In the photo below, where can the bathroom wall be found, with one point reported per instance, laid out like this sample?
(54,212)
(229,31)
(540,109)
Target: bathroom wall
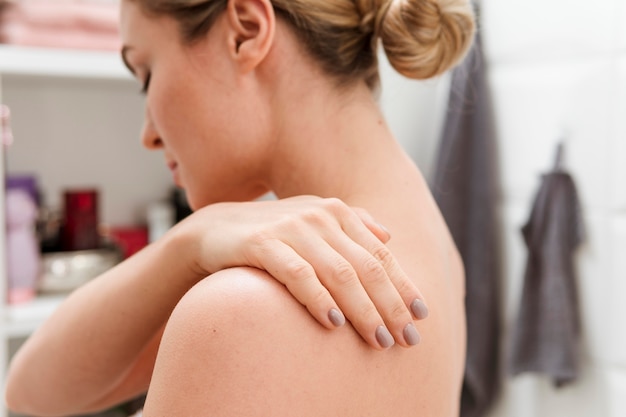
(557,71)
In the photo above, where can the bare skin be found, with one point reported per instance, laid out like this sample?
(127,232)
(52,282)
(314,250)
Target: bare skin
(241,112)
(278,362)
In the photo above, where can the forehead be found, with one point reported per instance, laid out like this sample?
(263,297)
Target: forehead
(135,23)
(130,17)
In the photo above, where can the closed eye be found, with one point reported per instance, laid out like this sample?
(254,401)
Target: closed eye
(146,84)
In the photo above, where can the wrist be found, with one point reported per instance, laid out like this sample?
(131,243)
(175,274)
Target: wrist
(183,246)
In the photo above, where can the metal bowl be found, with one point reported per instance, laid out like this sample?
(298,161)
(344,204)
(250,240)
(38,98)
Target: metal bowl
(63,272)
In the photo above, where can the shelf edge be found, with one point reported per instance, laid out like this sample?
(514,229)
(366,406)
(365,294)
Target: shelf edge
(50,62)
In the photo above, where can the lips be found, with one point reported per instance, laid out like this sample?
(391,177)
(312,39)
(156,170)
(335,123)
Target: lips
(173,166)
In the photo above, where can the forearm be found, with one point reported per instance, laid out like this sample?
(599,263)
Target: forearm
(95,337)
(100,345)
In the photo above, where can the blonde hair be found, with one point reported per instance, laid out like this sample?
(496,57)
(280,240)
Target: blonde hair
(422,38)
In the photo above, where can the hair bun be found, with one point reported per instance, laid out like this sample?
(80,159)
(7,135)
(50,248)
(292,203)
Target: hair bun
(424,38)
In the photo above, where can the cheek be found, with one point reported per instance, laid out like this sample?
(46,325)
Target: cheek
(172,119)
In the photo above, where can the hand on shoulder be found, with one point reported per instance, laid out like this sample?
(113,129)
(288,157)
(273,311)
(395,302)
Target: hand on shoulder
(331,257)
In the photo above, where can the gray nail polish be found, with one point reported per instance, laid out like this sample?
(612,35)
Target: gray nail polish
(419,309)
(384,229)
(385,339)
(411,335)
(336,317)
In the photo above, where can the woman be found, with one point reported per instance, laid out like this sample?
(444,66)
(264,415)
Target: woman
(246,96)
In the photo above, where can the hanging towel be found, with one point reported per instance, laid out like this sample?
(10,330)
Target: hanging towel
(79,24)
(465,186)
(546,335)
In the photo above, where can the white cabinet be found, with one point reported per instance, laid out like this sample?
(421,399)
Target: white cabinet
(76,119)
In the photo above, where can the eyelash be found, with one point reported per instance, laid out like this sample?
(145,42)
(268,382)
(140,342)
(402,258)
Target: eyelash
(146,84)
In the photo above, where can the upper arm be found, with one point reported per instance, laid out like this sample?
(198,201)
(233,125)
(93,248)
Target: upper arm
(136,381)
(238,344)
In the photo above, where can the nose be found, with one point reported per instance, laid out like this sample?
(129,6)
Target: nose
(149,136)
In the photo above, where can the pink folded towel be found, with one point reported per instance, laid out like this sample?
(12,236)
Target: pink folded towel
(60,23)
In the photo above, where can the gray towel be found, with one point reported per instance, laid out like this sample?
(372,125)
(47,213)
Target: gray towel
(465,186)
(546,335)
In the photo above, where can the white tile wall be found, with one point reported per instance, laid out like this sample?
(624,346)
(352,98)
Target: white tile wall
(556,30)
(587,398)
(615,295)
(517,398)
(534,396)
(616,393)
(618,162)
(621,18)
(538,105)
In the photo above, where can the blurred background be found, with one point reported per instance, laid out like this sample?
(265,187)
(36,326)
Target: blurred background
(555,73)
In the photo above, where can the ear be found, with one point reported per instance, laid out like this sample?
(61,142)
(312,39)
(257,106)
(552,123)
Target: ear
(252,24)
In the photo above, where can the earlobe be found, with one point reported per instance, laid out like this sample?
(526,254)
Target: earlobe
(252,24)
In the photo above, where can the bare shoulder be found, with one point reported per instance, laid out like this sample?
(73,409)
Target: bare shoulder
(236,344)
(239,344)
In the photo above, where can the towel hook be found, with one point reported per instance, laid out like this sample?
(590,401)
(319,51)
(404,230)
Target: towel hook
(558,160)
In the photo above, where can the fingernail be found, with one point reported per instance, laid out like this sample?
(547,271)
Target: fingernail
(419,309)
(336,317)
(383,228)
(385,339)
(411,335)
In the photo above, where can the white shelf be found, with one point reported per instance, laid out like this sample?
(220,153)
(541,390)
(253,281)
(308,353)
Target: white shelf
(22,319)
(49,62)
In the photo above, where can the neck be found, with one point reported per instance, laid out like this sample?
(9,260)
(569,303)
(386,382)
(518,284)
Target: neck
(340,139)
(328,142)
(336,141)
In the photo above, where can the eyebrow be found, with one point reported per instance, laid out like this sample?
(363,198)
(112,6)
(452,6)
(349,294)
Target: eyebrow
(124,51)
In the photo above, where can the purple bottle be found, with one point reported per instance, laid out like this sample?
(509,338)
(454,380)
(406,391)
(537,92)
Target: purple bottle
(23,255)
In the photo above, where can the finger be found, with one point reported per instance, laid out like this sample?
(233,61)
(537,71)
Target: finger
(381,290)
(288,267)
(405,287)
(378,229)
(339,276)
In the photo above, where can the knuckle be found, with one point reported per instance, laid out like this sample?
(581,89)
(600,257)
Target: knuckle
(310,216)
(383,255)
(314,217)
(374,271)
(290,221)
(406,286)
(368,316)
(334,205)
(333,202)
(344,274)
(398,312)
(299,271)
(257,245)
(318,298)
(258,238)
